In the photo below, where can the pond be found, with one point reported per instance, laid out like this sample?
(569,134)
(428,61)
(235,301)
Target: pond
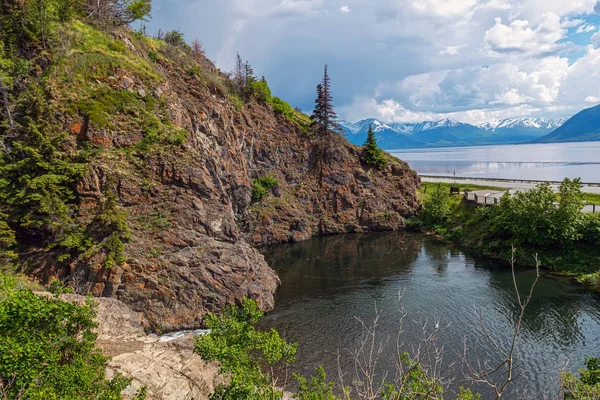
(330,283)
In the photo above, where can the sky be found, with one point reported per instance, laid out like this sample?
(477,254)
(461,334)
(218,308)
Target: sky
(407,60)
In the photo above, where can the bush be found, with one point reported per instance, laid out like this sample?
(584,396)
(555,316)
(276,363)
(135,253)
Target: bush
(282,107)
(587,385)
(316,387)
(177,39)
(47,348)
(437,207)
(242,351)
(262,91)
(262,186)
(532,218)
(590,231)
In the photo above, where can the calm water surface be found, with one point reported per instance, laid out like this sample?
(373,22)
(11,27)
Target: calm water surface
(329,282)
(551,162)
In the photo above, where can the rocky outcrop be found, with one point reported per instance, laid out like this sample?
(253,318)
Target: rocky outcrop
(168,370)
(189,208)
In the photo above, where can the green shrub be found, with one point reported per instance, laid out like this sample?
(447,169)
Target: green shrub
(532,218)
(590,231)
(437,207)
(282,107)
(262,91)
(316,387)
(587,385)
(48,348)
(415,383)
(241,350)
(262,186)
(237,101)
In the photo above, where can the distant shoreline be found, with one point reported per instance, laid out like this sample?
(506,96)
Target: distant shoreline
(400,150)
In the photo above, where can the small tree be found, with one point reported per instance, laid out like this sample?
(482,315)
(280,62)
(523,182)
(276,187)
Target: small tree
(197,49)
(175,38)
(373,155)
(569,218)
(437,207)
(119,12)
(324,115)
(238,73)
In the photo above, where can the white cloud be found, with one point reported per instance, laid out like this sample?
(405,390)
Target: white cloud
(585,28)
(452,50)
(407,59)
(518,38)
(510,97)
(444,8)
(595,39)
(538,87)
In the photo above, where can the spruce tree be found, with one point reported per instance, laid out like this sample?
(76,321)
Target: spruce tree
(249,77)
(317,115)
(373,155)
(238,74)
(249,80)
(324,116)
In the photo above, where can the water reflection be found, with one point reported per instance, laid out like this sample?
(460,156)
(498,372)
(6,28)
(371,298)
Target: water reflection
(327,282)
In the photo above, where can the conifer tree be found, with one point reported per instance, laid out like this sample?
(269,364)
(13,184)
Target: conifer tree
(249,77)
(317,115)
(324,115)
(249,80)
(238,74)
(372,154)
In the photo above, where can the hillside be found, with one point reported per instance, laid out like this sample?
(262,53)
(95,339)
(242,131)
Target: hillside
(132,170)
(448,133)
(582,127)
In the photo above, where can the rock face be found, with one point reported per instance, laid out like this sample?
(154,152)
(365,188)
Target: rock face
(189,208)
(168,370)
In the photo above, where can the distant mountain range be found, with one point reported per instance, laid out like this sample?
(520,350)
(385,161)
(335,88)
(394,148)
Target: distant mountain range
(448,132)
(582,127)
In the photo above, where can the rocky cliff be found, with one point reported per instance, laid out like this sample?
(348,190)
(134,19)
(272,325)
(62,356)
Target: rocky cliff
(170,165)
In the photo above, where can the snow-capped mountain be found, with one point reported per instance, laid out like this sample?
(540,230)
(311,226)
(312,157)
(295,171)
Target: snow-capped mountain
(530,122)
(449,132)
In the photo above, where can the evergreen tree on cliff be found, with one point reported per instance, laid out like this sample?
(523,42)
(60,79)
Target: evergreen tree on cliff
(324,116)
(238,73)
(372,154)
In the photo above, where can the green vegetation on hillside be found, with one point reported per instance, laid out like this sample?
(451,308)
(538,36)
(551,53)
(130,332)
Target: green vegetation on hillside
(48,348)
(60,65)
(537,221)
(262,186)
(245,87)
